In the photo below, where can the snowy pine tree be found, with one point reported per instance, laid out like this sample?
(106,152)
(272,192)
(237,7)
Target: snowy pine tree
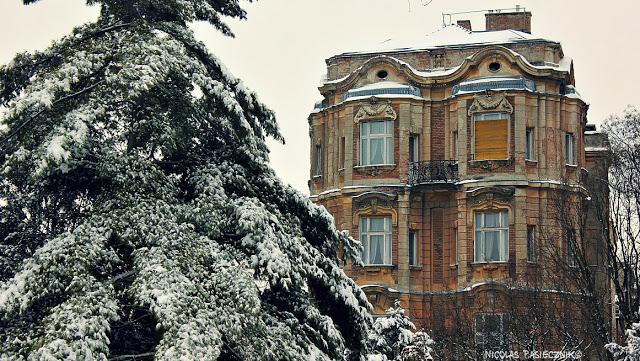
(138,215)
(390,334)
(420,348)
(630,351)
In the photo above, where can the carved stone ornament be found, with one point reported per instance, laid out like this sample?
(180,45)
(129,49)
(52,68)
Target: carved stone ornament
(490,102)
(373,200)
(375,111)
(489,195)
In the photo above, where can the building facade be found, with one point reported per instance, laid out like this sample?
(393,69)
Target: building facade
(447,160)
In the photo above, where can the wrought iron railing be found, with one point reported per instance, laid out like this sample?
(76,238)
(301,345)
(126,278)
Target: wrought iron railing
(433,171)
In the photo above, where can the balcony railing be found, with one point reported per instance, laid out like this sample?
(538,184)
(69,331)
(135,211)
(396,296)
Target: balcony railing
(433,171)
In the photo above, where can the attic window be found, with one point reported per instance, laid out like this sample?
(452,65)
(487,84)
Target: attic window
(495,66)
(382,74)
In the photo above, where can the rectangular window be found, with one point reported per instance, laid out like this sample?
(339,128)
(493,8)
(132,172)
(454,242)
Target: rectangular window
(375,235)
(454,147)
(341,155)
(569,149)
(376,142)
(491,135)
(413,248)
(572,260)
(531,243)
(491,332)
(491,236)
(529,145)
(414,148)
(455,248)
(318,171)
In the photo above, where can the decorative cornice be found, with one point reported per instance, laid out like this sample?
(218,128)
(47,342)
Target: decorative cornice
(420,78)
(375,110)
(490,102)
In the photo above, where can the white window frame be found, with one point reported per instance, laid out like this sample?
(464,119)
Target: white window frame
(387,142)
(480,231)
(490,116)
(414,147)
(531,244)
(481,334)
(365,235)
(529,144)
(413,248)
(569,149)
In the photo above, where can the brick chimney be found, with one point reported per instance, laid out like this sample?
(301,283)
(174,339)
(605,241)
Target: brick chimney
(465,24)
(518,20)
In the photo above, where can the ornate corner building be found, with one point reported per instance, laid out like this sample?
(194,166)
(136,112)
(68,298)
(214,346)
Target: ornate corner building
(447,160)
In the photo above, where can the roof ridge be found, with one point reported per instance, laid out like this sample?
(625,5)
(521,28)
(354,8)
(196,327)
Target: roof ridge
(450,26)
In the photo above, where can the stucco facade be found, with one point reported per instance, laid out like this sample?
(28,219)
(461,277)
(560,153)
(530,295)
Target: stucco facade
(434,180)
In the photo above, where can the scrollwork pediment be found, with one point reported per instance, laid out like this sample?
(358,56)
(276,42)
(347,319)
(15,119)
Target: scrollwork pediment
(373,200)
(491,195)
(375,111)
(490,102)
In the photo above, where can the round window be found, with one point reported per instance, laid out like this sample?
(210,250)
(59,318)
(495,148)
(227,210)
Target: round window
(382,74)
(495,66)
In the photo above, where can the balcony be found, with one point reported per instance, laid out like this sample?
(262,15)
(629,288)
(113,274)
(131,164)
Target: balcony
(433,172)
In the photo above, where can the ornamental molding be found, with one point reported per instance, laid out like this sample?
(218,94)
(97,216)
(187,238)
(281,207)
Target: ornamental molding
(375,110)
(491,197)
(374,204)
(490,102)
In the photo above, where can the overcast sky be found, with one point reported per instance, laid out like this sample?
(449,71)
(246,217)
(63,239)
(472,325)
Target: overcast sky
(279,52)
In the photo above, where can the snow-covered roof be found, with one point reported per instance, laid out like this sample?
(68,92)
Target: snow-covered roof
(493,83)
(382,88)
(448,36)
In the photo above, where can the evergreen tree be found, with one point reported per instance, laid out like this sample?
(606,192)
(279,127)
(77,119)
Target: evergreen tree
(390,334)
(630,351)
(420,348)
(138,215)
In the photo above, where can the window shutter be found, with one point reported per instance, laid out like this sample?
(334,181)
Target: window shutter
(491,139)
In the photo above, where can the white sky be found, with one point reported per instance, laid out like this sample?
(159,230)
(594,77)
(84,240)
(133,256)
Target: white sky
(279,52)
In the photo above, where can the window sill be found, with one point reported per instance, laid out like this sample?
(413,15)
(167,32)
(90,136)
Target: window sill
(341,169)
(531,161)
(375,268)
(315,177)
(532,263)
(497,263)
(572,166)
(374,166)
(453,265)
(415,268)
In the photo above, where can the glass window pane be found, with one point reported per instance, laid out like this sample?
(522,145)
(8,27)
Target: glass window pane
(478,247)
(492,246)
(412,248)
(504,219)
(376,224)
(364,155)
(364,129)
(376,249)
(389,146)
(491,220)
(365,249)
(376,151)
(376,127)
(478,220)
(504,245)
(387,259)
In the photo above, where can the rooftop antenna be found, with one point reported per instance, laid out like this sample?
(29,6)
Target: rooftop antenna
(449,16)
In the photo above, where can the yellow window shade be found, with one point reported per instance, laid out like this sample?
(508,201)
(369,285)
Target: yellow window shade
(491,139)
